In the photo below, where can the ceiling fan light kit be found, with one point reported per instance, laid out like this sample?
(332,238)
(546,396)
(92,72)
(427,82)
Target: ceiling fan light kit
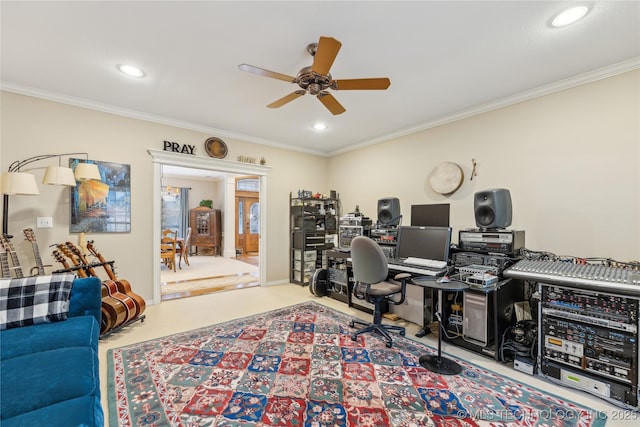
(316,80)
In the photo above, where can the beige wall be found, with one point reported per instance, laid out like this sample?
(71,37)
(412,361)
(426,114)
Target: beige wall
(571,161)
(32,126)
(199,189)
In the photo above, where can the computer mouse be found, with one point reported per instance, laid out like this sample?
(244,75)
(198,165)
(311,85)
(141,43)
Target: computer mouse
(443,279)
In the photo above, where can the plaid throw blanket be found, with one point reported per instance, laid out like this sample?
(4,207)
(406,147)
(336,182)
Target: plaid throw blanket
(32,300)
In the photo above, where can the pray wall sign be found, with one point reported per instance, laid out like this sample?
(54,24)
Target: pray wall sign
(179,148)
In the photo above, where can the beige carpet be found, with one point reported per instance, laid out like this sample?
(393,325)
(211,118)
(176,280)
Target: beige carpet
(205,272)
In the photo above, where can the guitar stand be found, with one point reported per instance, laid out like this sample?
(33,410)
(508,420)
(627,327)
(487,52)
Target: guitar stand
(127,323)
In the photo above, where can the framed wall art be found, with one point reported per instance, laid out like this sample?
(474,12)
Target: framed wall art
(102,206)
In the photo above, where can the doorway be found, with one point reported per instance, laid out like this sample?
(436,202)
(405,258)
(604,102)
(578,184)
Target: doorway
(247,204)
(162,158)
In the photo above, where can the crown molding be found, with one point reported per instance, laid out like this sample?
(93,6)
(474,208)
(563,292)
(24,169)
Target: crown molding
(581,79)
(568,83)
(139,115)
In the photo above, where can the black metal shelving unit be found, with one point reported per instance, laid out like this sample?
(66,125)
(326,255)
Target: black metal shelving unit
(313,225)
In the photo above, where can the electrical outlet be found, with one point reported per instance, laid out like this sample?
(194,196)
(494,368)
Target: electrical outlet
(44,222)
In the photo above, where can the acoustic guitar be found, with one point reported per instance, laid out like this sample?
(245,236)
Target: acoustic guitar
(112,288)
(31,236)
(117,309)
(109,308)
(8,247)
(123,285)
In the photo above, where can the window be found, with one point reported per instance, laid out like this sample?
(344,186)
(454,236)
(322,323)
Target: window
(248,184)
(173,210)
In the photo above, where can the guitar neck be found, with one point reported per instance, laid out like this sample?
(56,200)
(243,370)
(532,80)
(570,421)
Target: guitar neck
(36,255)
(77,264)
(31,236)
(14,257)
(4,265)
(105,264)
(82,259)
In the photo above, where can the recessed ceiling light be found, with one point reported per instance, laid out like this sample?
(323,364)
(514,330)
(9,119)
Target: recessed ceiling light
(569,16)
(320,126)
(131,70)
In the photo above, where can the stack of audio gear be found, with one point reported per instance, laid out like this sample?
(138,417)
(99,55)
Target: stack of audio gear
(507,242)
(385,235)
(350,226)
(589,326)
(479,276)
(495,248)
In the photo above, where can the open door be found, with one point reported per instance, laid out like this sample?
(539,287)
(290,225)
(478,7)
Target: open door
(248,214)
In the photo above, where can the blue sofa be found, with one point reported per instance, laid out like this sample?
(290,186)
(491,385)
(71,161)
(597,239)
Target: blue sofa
(49,371)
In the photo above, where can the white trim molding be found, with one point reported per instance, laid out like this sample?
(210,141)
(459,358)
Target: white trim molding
(161,158)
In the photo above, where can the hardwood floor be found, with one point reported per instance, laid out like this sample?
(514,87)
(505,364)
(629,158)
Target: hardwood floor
(250,258)
(209,290)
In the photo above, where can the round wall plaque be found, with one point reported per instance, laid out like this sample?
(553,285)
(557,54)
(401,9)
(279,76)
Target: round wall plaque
(446,178)
(215,147)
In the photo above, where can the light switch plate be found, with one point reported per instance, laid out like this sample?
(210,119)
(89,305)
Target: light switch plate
(44,222)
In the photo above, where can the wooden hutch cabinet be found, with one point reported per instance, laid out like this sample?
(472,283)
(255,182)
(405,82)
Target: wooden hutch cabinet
(206,228)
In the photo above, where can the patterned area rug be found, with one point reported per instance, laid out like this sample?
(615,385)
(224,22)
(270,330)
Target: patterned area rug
(297,366)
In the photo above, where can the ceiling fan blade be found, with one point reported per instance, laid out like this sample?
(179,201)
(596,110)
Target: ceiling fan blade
(326,53)
(266,73)
(331,103)
(285,99)
(361,84)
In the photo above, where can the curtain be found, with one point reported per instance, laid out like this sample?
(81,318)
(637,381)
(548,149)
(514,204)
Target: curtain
(184,212)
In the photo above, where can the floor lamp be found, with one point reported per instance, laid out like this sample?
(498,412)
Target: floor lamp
(16,182)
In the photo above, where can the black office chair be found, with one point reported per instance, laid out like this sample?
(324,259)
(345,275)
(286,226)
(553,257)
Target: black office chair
(370,272)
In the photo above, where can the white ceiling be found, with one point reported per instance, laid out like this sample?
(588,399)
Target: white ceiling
(445,59)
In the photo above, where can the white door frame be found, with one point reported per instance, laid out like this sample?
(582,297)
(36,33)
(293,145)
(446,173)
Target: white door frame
(177,159)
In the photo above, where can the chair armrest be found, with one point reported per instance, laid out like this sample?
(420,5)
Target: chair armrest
(358,291)
(402,278)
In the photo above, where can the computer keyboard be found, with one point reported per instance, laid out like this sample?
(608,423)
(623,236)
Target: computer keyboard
(430,263)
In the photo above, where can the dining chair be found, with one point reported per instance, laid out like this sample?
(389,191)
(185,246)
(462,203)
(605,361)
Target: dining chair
(184,252)
(168,251)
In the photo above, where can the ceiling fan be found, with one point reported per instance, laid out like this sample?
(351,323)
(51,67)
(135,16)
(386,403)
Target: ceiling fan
(316,78)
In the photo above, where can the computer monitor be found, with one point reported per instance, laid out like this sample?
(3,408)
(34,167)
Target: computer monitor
(435,215)
(424,242)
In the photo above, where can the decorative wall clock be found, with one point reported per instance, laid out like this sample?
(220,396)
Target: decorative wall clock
(216,148)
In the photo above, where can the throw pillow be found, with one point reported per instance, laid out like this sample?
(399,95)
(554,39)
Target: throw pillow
(33,300)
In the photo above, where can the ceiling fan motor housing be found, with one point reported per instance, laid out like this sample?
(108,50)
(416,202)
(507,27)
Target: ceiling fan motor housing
(313,82)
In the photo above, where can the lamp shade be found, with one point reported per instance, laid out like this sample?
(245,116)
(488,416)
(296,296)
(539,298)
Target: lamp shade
(19,183)
(58,175)
(87,171)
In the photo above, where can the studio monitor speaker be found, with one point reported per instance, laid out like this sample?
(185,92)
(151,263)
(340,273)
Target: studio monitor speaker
(492,208)
(389,211)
